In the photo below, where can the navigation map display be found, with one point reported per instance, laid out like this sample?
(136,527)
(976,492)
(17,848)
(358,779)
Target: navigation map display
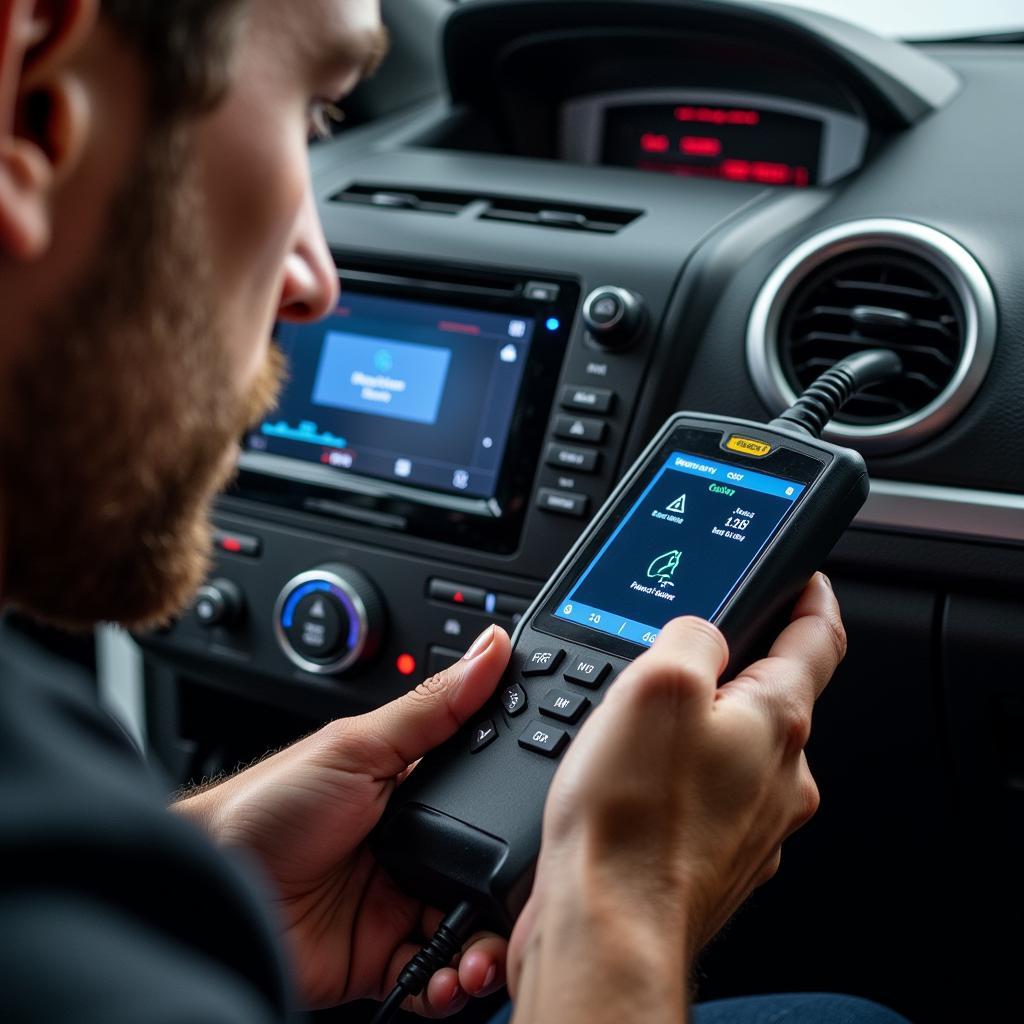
(681,549)
(401,390)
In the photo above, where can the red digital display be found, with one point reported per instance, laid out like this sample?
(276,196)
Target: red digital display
(717,115)
(700,145)
(742,144)
(650,142)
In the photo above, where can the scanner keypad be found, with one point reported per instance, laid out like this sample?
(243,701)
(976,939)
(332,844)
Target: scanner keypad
(543,739)
(587,670)
(579,668)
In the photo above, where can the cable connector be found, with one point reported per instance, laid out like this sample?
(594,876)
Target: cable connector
(439,952)
(814,409)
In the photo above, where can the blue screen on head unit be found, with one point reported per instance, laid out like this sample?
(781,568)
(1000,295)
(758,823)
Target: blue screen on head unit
(402,390)
(681,549)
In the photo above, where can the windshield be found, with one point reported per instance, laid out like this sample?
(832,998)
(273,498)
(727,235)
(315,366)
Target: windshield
(924,19)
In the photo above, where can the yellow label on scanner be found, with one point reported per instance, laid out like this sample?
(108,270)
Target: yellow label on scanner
(748,446)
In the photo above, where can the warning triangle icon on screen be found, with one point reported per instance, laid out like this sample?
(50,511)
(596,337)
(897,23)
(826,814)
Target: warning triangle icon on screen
(679,505)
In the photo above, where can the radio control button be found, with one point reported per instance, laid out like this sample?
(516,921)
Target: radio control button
(219,603)
(542,661)
(587,671)
(541,291)
(587,399)
(237,543)
(543,739)
(562,502)
(580,428)
(456,593)
(613,316)
(578,459)
(565,706)
(513,700)
(506,604)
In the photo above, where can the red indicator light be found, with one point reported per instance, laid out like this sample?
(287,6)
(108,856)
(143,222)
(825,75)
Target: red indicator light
(406,664)
(736,170)
(717,115)
(231,544)
(650,142)
(700,145)
(458,597)
(771,174)
(801,177)
(455,327)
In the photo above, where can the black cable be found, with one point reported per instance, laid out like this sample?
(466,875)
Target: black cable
(439,952)
(813,410)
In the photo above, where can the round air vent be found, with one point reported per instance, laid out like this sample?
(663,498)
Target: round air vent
(877,283)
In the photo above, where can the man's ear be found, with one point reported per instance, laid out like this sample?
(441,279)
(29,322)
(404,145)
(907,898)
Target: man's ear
(44,113)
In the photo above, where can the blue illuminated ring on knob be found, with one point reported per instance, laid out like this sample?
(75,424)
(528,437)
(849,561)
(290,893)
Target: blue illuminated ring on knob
(322,581)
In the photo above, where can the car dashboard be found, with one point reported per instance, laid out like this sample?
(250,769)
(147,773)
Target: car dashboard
(616,211)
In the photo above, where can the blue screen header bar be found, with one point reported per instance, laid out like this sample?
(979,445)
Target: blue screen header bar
(733,476)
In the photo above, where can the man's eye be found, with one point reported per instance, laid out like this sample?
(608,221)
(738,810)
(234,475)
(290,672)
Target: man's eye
(324,116)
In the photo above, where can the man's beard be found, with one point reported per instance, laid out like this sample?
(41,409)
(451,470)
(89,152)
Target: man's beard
(123,419)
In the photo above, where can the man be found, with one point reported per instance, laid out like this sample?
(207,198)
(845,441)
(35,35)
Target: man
(156,218)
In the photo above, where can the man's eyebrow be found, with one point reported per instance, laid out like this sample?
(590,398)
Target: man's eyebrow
(365,51)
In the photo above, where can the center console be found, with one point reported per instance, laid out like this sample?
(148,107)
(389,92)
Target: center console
(443,430)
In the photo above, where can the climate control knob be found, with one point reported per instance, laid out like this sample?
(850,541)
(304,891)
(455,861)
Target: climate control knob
(329,619)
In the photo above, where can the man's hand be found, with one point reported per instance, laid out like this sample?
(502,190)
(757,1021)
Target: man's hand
(669,809)
(306,812)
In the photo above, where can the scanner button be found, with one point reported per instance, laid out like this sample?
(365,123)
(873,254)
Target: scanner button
(542,661)
(566,707)
(543,739)
(513,700)
(587,671)
(484,734)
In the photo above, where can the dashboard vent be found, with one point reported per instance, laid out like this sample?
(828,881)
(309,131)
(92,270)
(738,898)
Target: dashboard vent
(422,200)
(603,220)
(876,284)
(877,298)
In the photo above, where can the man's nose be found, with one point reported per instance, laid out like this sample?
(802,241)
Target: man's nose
(310,289)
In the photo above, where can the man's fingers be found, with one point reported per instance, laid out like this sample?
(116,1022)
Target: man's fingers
(399,733)
(480,970)
(815,633)
(685,661)
(799,665)
(442,996)
(482,965)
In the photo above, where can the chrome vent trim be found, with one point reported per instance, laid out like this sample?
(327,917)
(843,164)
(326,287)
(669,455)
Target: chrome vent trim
(947,257)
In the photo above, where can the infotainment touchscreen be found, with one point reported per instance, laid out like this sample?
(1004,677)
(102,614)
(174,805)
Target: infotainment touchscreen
(681,549)
(402,390)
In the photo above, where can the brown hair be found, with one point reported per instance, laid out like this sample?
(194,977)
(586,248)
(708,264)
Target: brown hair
(185,45)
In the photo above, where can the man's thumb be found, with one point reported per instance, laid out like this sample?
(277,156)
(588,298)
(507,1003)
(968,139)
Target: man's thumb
(424,718)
